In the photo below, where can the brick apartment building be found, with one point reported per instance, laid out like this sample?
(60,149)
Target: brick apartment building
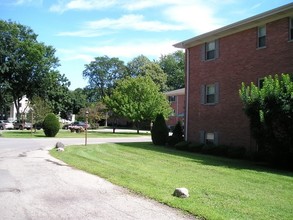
(177,103)
(218,62)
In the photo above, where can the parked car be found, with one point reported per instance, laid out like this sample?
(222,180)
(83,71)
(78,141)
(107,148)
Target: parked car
(78,124)
(4,124)
(19,124)
(38,125)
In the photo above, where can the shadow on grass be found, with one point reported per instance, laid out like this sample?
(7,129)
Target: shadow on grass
(208,159)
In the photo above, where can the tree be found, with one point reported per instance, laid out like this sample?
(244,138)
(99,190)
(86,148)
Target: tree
(160,131)
(102,73)
(24,61)
(155,72)
(55,90)
(96,112)
(135,66)
(39,109)
(270,111)
(79,100)
(173,66)
(137,99)
(142,66)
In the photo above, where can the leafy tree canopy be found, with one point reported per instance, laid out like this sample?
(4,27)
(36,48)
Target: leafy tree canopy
(24,61)
(102,74)
(137,99)
(135,66)
(270,111)
(173,66)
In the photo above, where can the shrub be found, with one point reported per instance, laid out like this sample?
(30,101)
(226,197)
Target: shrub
(159,131)
(51,125)
(193,147)
(269,110)
(177,135)
(183,145)
(236,152)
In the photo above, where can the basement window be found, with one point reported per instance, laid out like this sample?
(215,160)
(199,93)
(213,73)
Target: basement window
(209,138)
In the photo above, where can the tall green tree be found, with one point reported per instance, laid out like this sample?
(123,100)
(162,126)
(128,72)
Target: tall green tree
(102,74)
(56,92)
(79,100)
(270,111)
(155,72)
(135,66)
(173,65)
(142,66)
(24,61)
(137,99)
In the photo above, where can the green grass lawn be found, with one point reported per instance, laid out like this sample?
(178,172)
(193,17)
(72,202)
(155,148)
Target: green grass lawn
(67,134)
(219,188)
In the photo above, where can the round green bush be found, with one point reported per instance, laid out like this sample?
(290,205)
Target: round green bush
(51,125)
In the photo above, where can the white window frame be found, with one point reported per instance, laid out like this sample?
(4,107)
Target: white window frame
(208,48)
(204,94)
(209,138)
(261,34)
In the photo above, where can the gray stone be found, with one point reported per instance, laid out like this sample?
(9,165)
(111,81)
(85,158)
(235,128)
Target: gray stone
(181,193)
(59,145)
(60,149)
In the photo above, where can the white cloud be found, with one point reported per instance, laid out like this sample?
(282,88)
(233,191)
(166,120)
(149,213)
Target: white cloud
(131,21)
(125,51)
(65,5)
(198,17)
(74,54)
(128,50)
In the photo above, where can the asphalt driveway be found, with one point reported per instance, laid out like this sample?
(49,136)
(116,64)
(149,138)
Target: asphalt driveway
(34,185)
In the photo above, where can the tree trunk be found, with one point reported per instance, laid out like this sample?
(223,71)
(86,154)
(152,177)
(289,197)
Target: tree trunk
(137,127)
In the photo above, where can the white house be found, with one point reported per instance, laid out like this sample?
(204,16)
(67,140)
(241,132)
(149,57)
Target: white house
(23,109)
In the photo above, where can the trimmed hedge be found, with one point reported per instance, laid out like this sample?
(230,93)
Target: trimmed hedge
(51,125)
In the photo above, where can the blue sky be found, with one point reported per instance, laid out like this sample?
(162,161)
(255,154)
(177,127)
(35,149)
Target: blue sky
(83,29)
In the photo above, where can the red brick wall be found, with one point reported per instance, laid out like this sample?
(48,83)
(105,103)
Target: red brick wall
(239,61)
(179,107)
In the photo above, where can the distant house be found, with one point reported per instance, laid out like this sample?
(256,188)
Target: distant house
(218,62)
(23,109)
(177,102)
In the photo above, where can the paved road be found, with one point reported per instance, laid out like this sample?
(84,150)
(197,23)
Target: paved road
(34,185)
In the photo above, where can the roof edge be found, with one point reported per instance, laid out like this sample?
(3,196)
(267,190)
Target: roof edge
(245,24)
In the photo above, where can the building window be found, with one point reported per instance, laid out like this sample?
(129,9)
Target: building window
(261,36)
(209,138)
(172,98)
(210,94)
(291,29)
(210,50)
(260,82)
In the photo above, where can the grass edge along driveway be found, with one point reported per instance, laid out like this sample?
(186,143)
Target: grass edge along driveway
(219,188)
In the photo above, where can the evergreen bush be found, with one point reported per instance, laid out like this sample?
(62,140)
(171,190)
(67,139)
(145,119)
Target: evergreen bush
(160,131)
(177,135)
(51,125)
